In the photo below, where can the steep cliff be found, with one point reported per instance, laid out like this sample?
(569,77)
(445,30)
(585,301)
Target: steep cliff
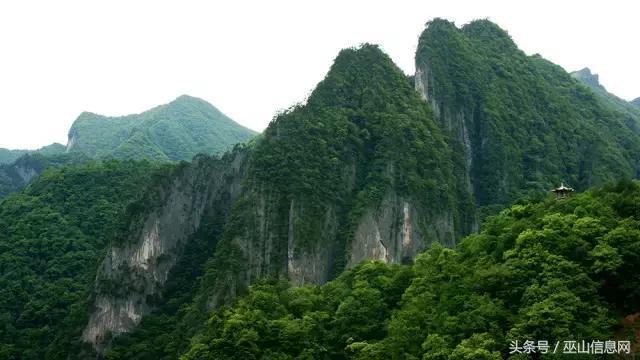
(53,234)
(522,123)
(360,171)
(366,168)
(138,265)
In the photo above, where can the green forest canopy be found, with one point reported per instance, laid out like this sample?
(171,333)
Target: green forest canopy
(540,270)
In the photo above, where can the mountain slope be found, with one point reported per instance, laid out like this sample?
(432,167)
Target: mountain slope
(522,122)
(52,235)
(21,172)
(359,171)
(550,270)
(591,80)
(636,102)
(8,156)
(366,169)
(176,131)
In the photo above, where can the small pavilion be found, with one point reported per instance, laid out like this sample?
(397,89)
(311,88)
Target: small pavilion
(562,192)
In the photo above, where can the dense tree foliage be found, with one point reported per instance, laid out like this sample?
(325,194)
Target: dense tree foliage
(21,172)
(52,237)
(528,123)
(362,134)
(365,115)
(540,270)
(176,131)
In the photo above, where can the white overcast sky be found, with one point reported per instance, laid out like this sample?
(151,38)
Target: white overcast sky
(252,58)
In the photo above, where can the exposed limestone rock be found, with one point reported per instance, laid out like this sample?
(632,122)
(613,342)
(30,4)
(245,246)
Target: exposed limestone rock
(26,173)
(588,78)
(309,265)
(397,231)
(71,141)
(457,122)
(139,266)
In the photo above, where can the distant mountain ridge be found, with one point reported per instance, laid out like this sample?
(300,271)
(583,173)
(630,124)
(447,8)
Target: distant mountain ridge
(172,132)
(175,131)
(8,156)
(591,80)
(588,78)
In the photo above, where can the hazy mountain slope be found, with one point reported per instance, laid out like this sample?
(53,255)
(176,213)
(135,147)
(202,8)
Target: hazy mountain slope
(176,131)
(8,156)
(627,108)
(522,122)
(636,102)
(21,172)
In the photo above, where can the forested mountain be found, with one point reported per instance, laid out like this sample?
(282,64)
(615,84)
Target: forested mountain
(175,131)
(266,252)
(592,80)
(521,121)
(636,102)
(52,236)
(8,156)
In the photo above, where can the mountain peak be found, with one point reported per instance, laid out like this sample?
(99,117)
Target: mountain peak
(188,99)
(355,71)
(588,78)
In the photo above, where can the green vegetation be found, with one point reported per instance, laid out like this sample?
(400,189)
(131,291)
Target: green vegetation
(498,126)
(546,269)
(8,156)
(625,108)
(52,238)
(365,115)
(18,174)
(176,131)
(363,133)
(530,125)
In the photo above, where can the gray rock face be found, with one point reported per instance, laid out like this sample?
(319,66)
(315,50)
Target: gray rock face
(26,173)
(588,78)
(456,121)
(309,265)
(397,231)
(139,267)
